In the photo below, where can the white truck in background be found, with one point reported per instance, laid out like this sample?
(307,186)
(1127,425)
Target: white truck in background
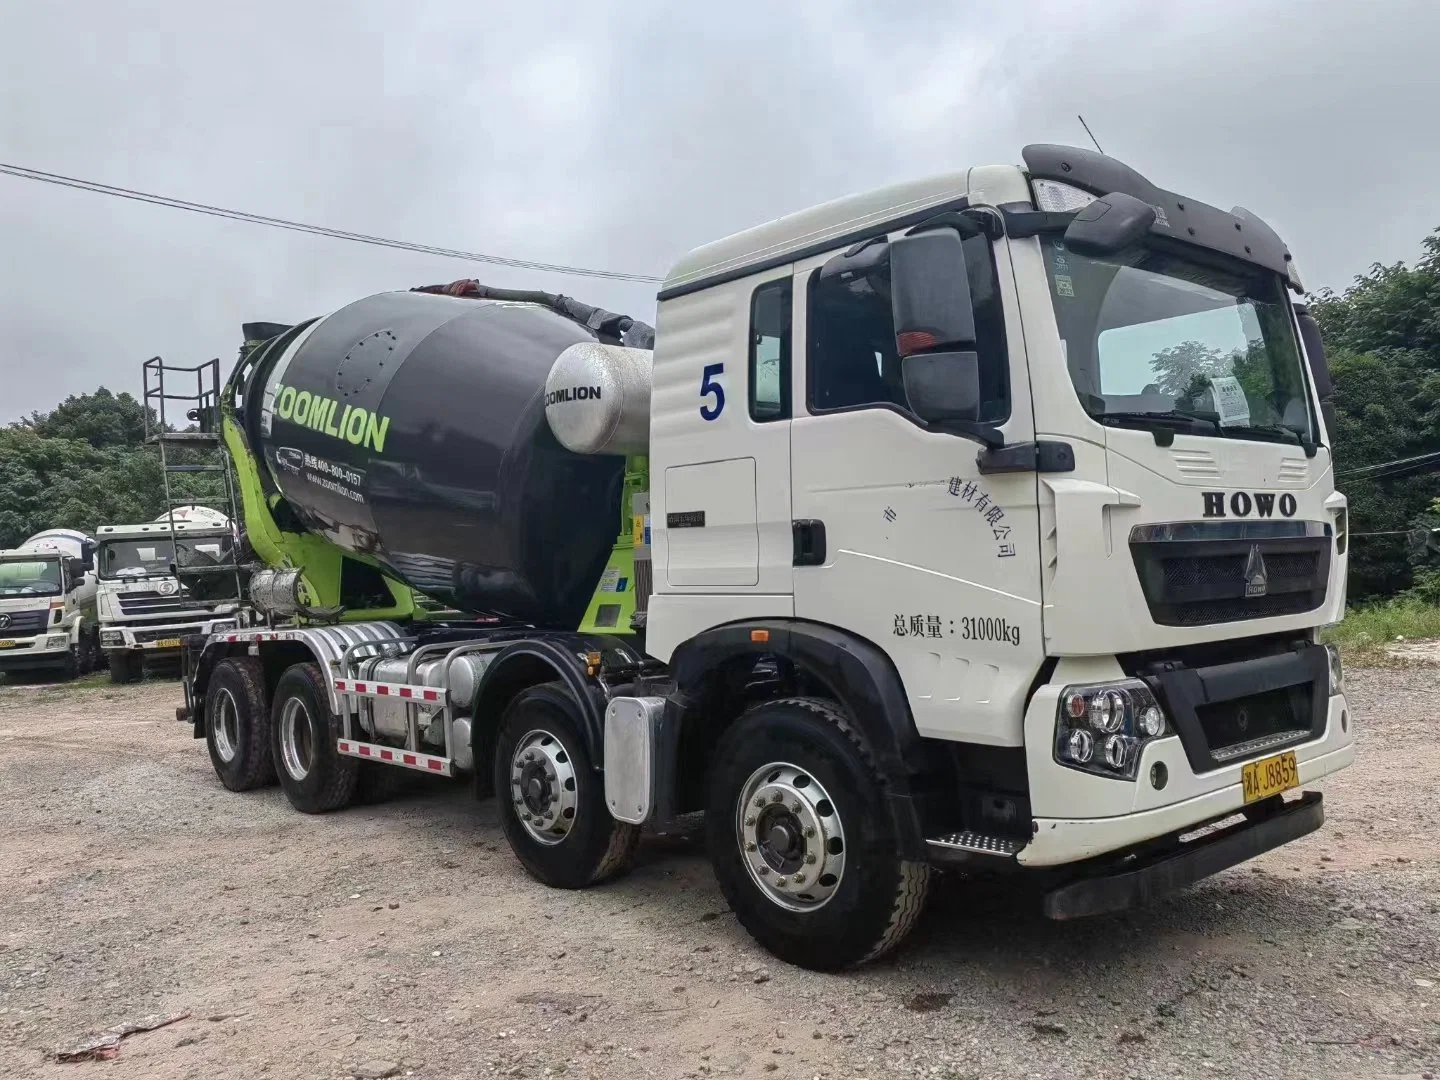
(144,608)
(47,605)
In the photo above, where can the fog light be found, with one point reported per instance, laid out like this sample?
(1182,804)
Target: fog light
(111,637)
(1081,746)
(60,641)
(1117,752)
(1151,721)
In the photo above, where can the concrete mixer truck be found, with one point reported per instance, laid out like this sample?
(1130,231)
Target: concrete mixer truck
(47,605)
(981,522)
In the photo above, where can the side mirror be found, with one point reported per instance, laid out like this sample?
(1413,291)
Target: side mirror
(930,293)
(87,554)
(943,387)
(1315,352)
(75,572)
(1108,225)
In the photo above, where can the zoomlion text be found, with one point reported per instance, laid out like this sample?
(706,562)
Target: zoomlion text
(355,425)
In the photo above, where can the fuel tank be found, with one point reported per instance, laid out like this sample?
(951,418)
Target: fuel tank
(411,427)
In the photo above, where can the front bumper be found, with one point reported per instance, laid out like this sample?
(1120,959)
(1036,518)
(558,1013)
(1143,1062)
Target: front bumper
(1078,815)
(28,654)
(149,638)
(1172,867)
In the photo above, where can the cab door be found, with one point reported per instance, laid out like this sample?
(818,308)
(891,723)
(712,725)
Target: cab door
(924,554)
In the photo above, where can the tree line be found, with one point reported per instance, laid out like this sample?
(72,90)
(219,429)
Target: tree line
(85,463)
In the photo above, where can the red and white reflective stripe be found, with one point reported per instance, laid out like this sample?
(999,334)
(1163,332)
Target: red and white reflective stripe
(389,689)
(406,758)
(257,635)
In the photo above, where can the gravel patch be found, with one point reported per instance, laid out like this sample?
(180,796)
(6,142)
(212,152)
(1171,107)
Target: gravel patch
(402,939)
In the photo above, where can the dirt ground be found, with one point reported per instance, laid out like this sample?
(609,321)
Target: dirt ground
(403,939)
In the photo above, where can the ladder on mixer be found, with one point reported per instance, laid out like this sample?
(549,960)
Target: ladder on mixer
(199,400)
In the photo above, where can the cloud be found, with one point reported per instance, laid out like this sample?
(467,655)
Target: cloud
(621,135)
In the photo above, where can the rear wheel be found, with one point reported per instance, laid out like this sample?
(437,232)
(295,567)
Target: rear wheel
(237,724)
(125,667)
(551,799)
(72,665)
(802,841)
(314,775)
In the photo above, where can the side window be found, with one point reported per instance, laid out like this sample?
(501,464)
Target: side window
(851,358)
(770,351)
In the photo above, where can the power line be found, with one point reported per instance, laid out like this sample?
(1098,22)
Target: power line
(95,187)
(1420,463)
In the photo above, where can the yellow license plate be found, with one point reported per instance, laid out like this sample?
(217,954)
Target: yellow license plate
(9,643)
(1270,776)
(174,643)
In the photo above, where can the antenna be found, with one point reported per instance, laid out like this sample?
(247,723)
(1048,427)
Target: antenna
(1089,132)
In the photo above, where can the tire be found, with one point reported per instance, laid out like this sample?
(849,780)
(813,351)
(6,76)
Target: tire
(72,666)
(578,843)
(314,775)
(90,653)
(237,724)
(125,667)
(805,751)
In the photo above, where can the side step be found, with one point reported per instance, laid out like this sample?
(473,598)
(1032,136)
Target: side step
(963,846)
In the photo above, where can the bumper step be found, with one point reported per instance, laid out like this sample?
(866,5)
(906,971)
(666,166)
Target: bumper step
(961,845)
(1136,884)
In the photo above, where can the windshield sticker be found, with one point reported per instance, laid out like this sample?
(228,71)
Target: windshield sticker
(979,500)
(1230,401)
(1064,285)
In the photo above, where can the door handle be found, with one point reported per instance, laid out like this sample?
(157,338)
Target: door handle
(809,537)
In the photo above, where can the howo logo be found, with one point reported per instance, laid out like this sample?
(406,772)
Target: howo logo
(1244,503)
(573,393)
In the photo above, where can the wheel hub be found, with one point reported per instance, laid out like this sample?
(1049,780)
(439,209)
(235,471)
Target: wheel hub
(791,837)
(543,787)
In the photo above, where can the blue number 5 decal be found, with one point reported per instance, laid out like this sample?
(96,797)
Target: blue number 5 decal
(708,385)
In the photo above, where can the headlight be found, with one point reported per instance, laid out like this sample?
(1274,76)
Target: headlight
(58,641)
(1337,673)
(1056,198)
(221,627)
(111,637)
(1103,729)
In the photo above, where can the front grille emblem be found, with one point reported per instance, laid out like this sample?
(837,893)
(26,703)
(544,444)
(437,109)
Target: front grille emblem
(4,621)
(1256,581)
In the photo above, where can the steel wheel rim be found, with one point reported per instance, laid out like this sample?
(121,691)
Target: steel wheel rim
(227,726)
(543,787)
(296,739)
(791,838)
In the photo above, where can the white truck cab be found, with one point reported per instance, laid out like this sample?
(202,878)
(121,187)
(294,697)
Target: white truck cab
(144,609)
(47,605)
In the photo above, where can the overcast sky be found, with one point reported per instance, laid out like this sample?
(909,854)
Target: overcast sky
(620,135)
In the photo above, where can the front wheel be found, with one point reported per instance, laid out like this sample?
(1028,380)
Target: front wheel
(125,667)
(802,841)
(314,775)
(551,799)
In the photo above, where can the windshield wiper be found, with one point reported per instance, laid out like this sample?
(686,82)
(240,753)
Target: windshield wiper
(1166,422)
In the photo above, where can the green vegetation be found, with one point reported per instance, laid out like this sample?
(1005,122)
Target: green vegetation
(85,464)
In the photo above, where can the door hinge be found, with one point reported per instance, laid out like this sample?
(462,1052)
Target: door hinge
(1045,456)
(809,542)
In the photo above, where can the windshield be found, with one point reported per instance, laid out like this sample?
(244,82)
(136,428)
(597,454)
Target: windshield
(1147,332)
(152,556)
(38,577)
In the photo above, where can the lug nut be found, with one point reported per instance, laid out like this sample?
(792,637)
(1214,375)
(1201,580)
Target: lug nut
(750,846)
(764,870)
(749,821)
(760,803)
(529,755)
(795,807)
(777,797)
(809,831)
(810,858)
(781,880)
(799,879)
